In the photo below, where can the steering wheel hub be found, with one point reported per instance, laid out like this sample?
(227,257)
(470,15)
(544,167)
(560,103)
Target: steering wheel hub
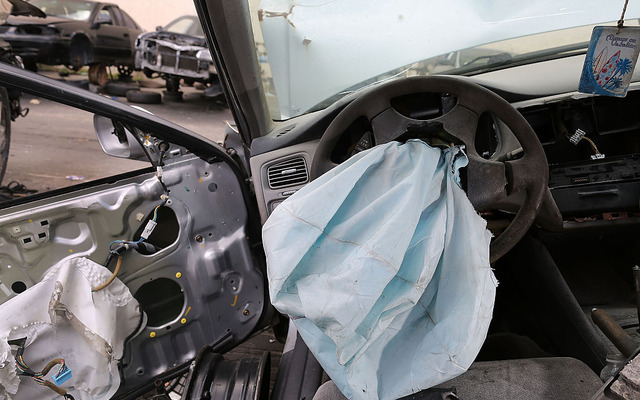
(489,181)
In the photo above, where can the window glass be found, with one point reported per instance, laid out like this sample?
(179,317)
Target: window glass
(182,26)
(104,17)
(54,147)
(78,10)
(116,16)
(128,21)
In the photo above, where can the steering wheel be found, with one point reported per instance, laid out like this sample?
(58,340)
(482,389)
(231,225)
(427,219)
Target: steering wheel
(489,182)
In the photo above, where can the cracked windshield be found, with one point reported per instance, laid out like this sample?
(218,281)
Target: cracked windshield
(149,54)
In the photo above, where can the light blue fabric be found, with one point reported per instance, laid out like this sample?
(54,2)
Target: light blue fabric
(383,265)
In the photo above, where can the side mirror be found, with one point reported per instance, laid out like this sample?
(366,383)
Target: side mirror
(101,19)
(116,140)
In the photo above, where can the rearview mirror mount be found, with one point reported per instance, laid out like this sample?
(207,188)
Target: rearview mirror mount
(116,140)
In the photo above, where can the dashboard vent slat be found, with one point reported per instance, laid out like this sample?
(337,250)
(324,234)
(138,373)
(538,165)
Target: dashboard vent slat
(286,173)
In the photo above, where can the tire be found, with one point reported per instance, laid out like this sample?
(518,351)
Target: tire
(5,130)
(144,97)
(80,53)
(120,88)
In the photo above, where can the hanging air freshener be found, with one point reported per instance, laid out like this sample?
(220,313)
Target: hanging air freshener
(611,58)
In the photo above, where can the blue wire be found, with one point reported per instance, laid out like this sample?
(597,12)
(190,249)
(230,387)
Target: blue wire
(155,218)
(115,241)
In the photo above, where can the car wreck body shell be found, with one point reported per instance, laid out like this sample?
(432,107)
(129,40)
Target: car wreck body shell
(174,54)
(56,40)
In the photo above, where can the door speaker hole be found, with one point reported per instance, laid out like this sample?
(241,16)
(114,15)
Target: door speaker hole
(18,287)
(162,299)
(166,232)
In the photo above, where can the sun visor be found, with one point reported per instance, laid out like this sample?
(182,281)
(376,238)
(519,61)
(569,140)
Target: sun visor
(62,318)
(383,265)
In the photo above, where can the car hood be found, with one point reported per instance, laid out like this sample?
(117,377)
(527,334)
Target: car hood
(21,7)
(316,49)
(18,7)
(177,38)
(47,20)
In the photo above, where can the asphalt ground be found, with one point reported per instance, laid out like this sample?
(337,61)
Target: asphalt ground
(55,145)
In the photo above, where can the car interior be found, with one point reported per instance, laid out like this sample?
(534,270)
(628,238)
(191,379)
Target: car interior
(565,214)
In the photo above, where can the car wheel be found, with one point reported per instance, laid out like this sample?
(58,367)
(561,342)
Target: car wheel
(120,88)
(125,70)
(80,53)
(144,97)
(5,130)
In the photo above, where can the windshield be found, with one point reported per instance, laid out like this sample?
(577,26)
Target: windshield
(313,52)
(185,26)
(78,10)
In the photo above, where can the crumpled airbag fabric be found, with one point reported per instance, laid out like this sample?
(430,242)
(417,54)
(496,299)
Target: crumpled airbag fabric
(62,318)
(383,265)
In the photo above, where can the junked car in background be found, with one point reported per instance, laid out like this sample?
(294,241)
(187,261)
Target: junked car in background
(10,107)
(178,51)
(310,85)
(75,33)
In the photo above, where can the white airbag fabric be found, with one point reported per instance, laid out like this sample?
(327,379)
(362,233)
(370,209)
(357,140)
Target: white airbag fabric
(383,266)
(61,317)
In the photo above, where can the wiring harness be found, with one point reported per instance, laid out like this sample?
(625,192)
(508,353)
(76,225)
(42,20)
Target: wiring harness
(118,247)
(62,374)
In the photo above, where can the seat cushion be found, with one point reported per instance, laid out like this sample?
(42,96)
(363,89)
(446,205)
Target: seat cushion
(525,379)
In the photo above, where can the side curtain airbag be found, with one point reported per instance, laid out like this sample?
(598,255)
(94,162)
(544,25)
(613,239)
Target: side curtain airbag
(61,317)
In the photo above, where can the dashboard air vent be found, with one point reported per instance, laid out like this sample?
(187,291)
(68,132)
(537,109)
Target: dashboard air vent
(288,173)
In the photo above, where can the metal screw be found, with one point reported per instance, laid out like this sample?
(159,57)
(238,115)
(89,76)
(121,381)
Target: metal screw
(245,312)
(198,238)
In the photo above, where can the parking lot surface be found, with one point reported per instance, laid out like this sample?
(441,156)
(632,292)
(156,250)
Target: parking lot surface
(55,145)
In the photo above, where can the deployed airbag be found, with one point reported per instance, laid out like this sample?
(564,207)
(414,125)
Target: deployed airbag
(383,265)
(61,317)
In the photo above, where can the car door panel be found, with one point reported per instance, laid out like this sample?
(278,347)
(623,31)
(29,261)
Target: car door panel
(113,39)
(202,284)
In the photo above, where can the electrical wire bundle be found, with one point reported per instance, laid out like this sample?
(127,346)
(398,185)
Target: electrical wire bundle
(61,376)
(118,247)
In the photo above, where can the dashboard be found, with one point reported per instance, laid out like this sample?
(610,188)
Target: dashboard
(592,143)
